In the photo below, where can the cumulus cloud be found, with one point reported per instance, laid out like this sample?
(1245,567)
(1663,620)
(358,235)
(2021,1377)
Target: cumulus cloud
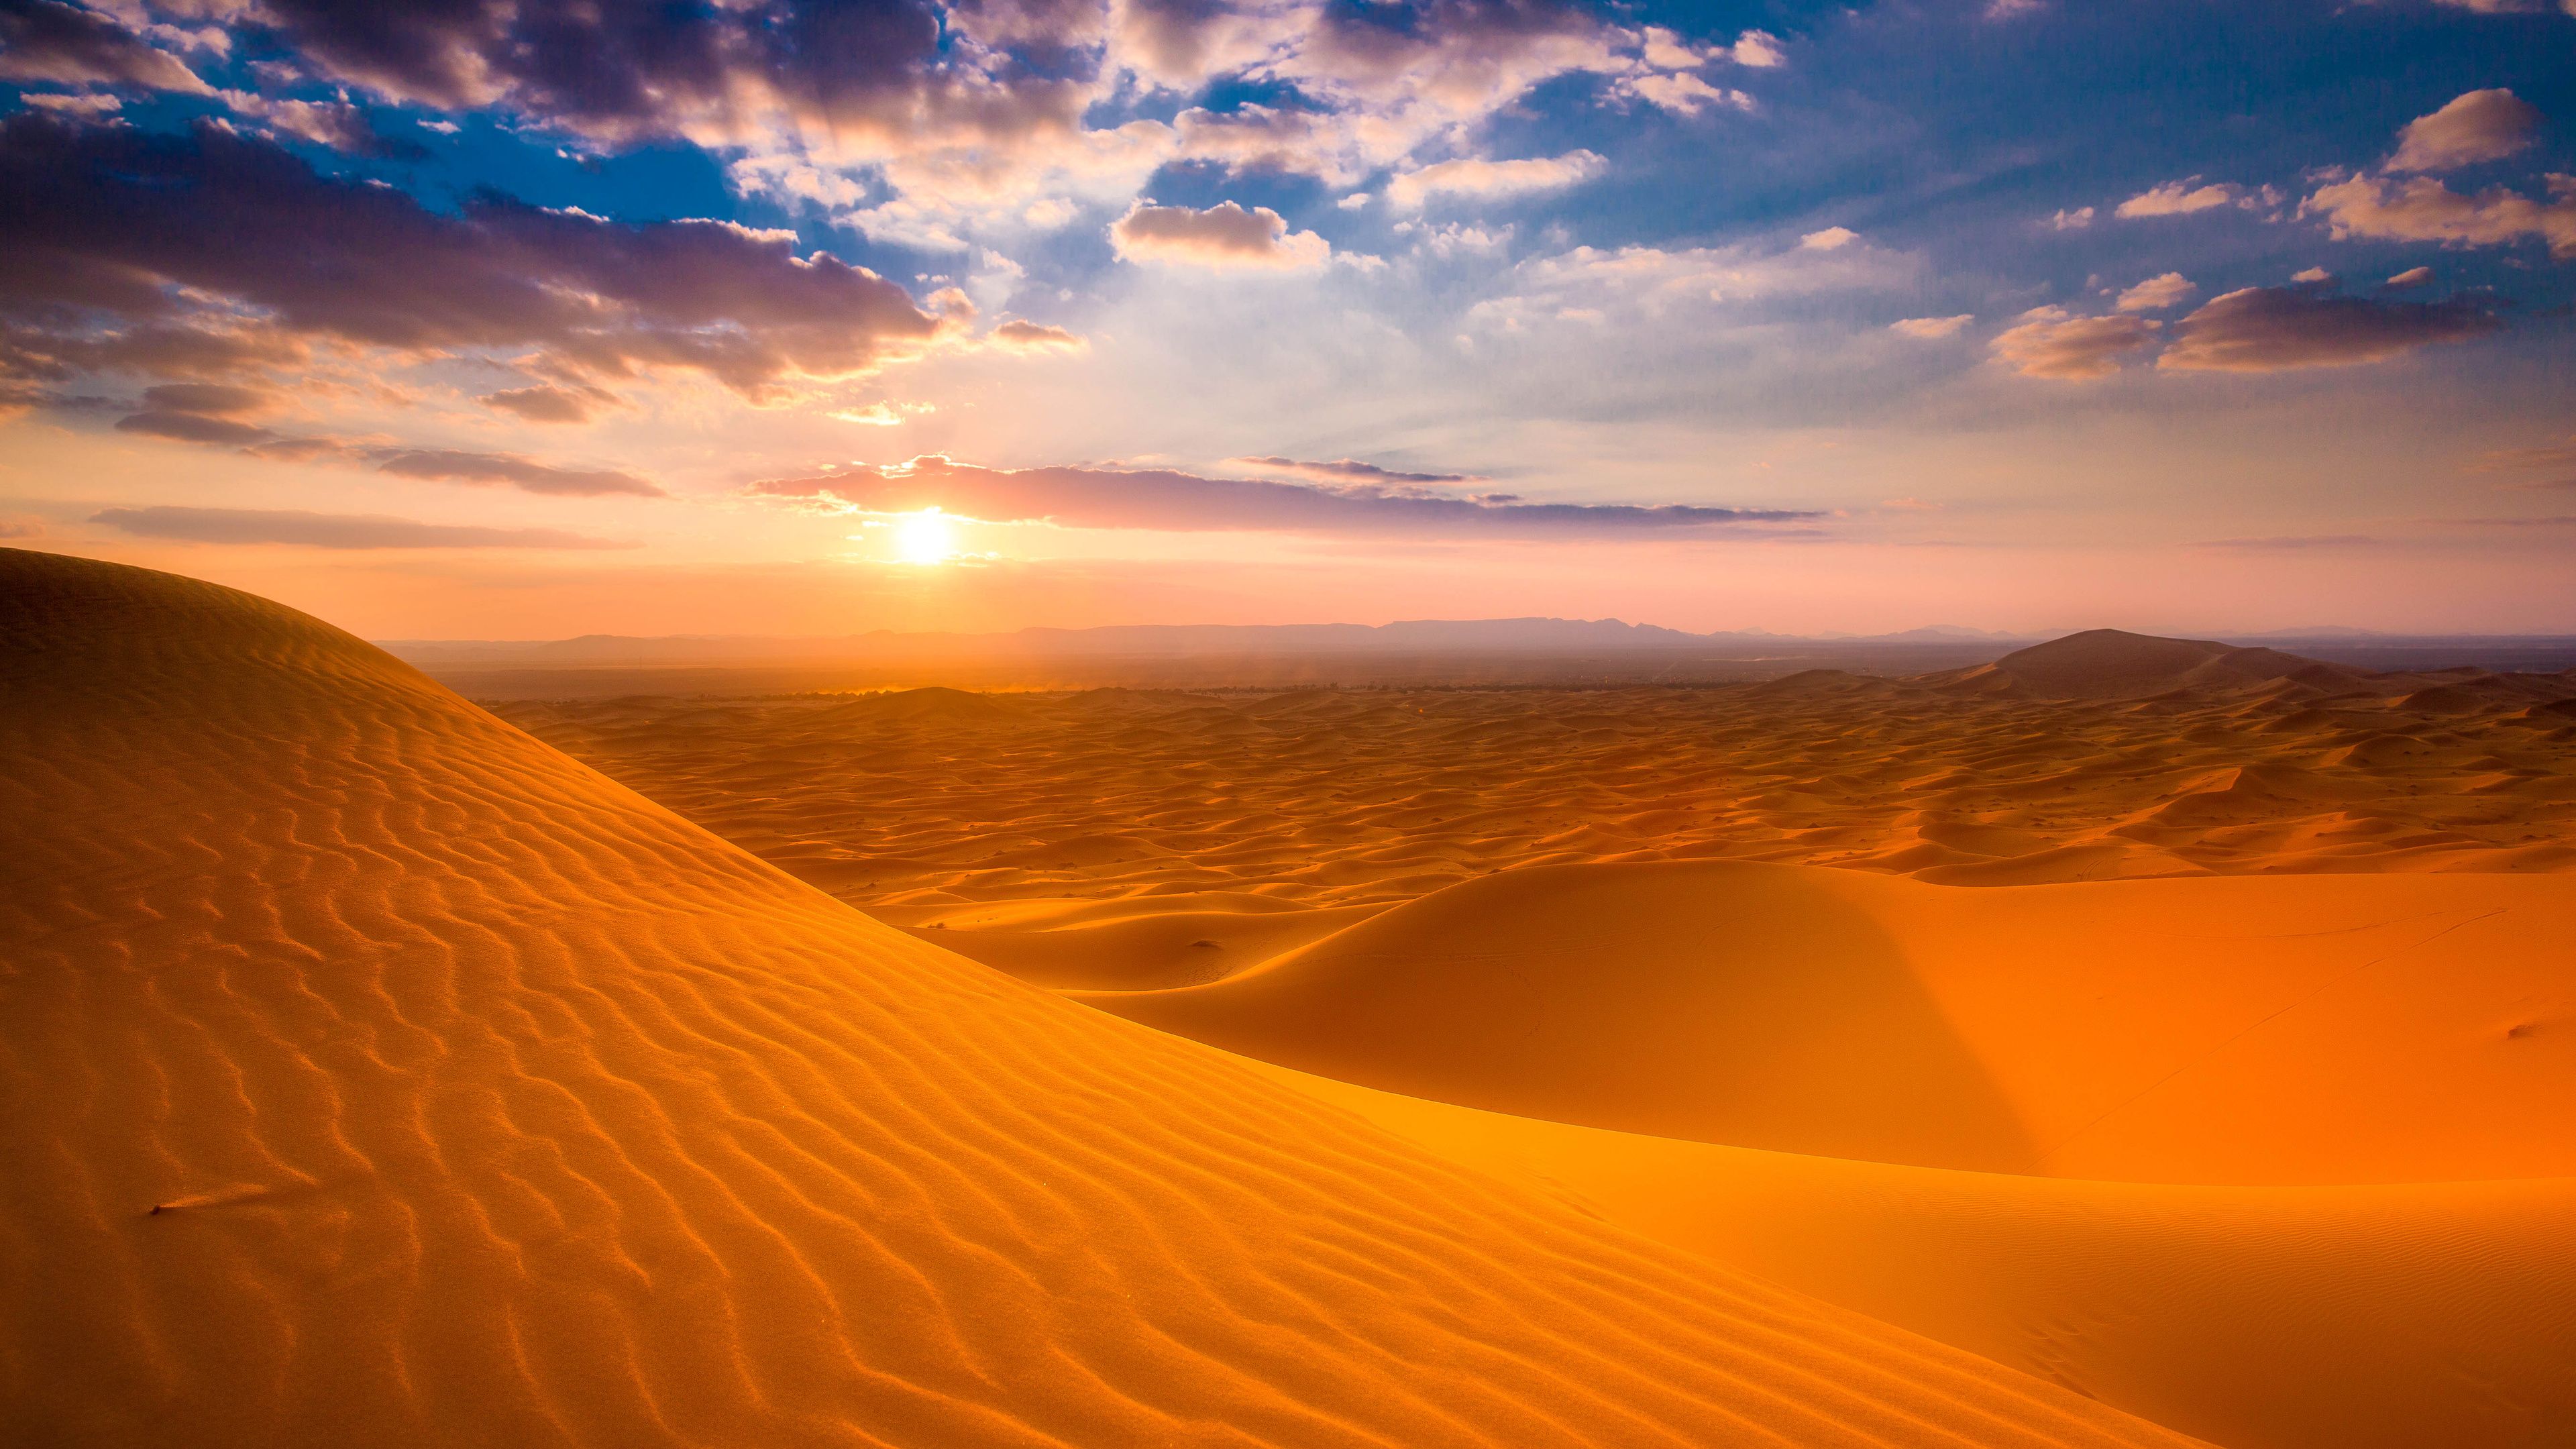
(1829,239)
(1349,470)
(2075,220)
(1930,328)
(2179,198)
(1224,237)
(2269,329)
(330,530)
(1685,94)
(2313,276)
(2052,342)
(2479,126)
(1157,499)
(2156,293)
(2421,208)
(47,41)
(109,226)
(1470,177)
(336,124)
(1759,49)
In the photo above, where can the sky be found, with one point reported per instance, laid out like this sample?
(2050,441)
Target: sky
(482,319)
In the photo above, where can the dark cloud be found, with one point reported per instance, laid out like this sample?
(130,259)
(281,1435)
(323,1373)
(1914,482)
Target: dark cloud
(2269,329)
(1182,502)
(330,530)
(41,40)
(100,225)
(215,399)
(165,415)
(1347,470)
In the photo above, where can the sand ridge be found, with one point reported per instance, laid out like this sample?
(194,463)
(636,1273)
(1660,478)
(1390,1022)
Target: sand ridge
(487,1102)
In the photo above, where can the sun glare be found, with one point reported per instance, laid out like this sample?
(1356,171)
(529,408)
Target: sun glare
(927,537)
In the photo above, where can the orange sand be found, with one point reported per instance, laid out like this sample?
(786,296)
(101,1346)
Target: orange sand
(2273,1151)
(486,1102)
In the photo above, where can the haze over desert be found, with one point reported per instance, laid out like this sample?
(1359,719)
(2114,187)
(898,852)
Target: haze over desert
(1287,724)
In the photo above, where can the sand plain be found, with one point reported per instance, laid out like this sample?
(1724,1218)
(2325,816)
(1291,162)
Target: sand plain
(2191,1027)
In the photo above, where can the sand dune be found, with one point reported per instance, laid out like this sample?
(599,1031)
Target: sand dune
(2260,1318)
(2273,1030)
(483,1101)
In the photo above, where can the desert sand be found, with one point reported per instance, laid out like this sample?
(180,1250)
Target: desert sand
(2190,1026)
(377,1074)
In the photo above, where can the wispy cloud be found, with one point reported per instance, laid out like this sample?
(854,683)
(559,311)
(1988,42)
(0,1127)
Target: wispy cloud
(303,529)
(1164,500)
(2269,329)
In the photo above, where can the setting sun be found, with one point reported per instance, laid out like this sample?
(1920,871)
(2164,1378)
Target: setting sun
(928,537)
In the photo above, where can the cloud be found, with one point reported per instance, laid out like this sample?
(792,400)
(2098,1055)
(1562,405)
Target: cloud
(185,427)
(549,404)
(2479,126)
(2290,543)
(2178,198)
(1021,336)
(883,414)
(455,466)
(2411,277)
(1492,178)
(212,398)
(2270,329)
(2561,455)
(330,530)
(2051,342)
(1929,328)
(1349,470)
(2423,209)
(1759,49)
(2076,220)
(336,124)
(1829,239)
(42,40)
(2157,292)
(1162,500)
(2314,276)
(1685,94)
(1224,236)
(111,225)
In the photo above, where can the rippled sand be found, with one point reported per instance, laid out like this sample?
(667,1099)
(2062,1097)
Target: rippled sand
(375,1074)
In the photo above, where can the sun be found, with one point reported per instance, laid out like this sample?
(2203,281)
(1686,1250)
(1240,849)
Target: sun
(927,537)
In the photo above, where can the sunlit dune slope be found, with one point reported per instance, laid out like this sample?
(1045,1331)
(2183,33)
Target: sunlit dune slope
(2393,1317)
(484,1102)
(2243,1030)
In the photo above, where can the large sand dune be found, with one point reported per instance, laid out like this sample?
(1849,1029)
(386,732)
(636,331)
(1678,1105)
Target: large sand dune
(2268,1030)
(376,1075)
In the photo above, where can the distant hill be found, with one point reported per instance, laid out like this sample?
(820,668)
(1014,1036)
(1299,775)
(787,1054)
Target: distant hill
(2113,663)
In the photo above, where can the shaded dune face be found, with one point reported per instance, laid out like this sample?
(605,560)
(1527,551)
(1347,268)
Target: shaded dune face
(485,1102)
(2272,1030)
(1722,1002)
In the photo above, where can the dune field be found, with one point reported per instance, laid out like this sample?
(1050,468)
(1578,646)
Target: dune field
(2181,1052)
(2190,1026)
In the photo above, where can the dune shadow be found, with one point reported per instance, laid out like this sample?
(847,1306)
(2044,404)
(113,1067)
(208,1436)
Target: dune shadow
(1718,1001)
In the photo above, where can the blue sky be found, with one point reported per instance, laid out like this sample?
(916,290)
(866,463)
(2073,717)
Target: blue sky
(2016,314)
